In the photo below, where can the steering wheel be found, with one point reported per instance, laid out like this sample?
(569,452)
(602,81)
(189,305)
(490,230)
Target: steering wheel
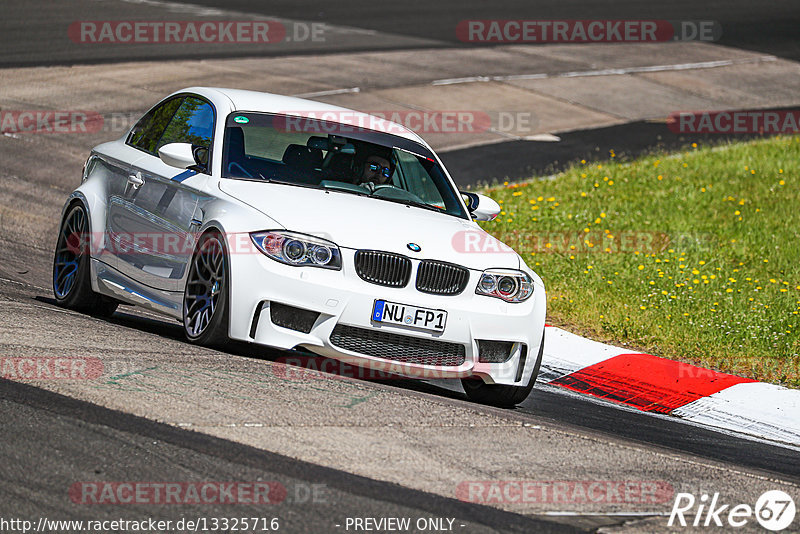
(234,165)
(396,193)
(382,186)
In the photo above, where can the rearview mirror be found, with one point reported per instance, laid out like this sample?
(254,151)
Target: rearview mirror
(178,155)
(481,207)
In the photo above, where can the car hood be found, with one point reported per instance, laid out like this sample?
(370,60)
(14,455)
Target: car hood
(358,222)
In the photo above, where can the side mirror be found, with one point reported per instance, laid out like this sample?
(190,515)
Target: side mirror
(178,155)
(481,207)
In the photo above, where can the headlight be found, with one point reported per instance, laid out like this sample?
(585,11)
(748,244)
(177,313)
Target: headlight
(298,249)
(507,284)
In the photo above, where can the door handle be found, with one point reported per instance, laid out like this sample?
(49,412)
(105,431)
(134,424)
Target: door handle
(136,180)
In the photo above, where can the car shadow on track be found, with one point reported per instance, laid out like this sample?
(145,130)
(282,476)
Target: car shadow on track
(303,364)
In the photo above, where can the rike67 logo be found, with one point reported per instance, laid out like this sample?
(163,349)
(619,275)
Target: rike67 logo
(774,510)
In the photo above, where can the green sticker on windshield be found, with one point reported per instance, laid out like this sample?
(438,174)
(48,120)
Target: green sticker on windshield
(241,120)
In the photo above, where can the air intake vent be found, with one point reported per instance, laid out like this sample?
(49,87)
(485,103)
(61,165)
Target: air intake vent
(383,268)
(397,347)
(441,278)
(494,351)
(292,318)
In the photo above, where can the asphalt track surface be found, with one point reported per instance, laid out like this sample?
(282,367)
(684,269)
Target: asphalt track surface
(515,160)
(35,32)
(51,440)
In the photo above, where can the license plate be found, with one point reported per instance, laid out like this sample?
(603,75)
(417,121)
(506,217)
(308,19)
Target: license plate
(402,314)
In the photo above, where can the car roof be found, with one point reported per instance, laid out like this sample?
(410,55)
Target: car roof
(242,100)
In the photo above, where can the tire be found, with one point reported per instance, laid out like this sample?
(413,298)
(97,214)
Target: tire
(205,297)
(72,286)
(502,395)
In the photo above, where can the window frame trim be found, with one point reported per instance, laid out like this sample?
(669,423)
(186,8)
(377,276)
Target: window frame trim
(164,101)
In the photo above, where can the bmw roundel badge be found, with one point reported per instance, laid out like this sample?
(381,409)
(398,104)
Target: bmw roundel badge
(414,247)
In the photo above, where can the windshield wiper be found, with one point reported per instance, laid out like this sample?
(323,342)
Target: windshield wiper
(407,202)
(285,182)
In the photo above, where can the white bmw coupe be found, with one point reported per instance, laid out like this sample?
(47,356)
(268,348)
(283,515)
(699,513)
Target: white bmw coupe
(295,224)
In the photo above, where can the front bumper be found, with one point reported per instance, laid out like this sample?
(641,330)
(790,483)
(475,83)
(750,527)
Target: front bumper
(342,298)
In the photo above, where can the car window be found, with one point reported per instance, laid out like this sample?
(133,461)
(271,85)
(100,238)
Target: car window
(414,177)
(193,123)
(148,131)
(313,153)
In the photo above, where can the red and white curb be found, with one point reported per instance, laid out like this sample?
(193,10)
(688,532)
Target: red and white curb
(658,385)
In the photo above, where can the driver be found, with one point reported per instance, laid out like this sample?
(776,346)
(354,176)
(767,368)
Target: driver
(377,170)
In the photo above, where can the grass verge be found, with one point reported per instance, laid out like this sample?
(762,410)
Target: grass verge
(693,256)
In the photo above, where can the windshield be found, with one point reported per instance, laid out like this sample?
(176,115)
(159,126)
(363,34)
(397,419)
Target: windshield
(313,153)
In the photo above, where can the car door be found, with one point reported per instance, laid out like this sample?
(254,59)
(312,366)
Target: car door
(123,222)
(159,207)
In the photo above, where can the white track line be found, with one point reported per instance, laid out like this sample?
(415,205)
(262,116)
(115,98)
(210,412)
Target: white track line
(329,92)
(607,72)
